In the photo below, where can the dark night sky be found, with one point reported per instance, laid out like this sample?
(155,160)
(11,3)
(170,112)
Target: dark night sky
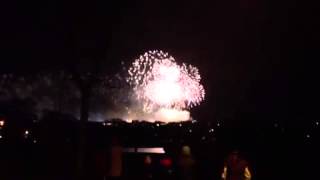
(245,49)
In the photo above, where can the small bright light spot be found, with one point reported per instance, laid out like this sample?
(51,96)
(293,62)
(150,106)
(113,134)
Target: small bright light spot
(104,124)
(109,124)
(308,136)
(26,132)
(34,141)
(190,130)
(317,123)
(157,124)
(211,130)
(186,150)
(2,123)
(0,136)
(218,124)
(193,121)
(180,125)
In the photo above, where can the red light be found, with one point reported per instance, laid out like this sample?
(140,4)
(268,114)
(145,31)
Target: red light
(167,162)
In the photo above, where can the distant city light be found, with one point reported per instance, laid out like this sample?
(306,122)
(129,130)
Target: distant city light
(218,124)
(190,130)
(153,150)
(317,123)
(0,136)
(308,136)
(107,123)
(211,130)
(2,123)
(156,150)
(186,150)
(26,134)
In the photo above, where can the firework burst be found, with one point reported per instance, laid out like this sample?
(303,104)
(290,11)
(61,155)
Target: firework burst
(160,82)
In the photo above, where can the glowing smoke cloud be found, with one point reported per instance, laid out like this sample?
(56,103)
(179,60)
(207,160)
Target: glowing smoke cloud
(165,88)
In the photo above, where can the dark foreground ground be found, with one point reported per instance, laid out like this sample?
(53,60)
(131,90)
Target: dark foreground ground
(276,155)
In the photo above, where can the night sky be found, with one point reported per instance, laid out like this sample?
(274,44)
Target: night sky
(247,50)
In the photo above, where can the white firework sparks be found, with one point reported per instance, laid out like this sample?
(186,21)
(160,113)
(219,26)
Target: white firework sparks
(161,83)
